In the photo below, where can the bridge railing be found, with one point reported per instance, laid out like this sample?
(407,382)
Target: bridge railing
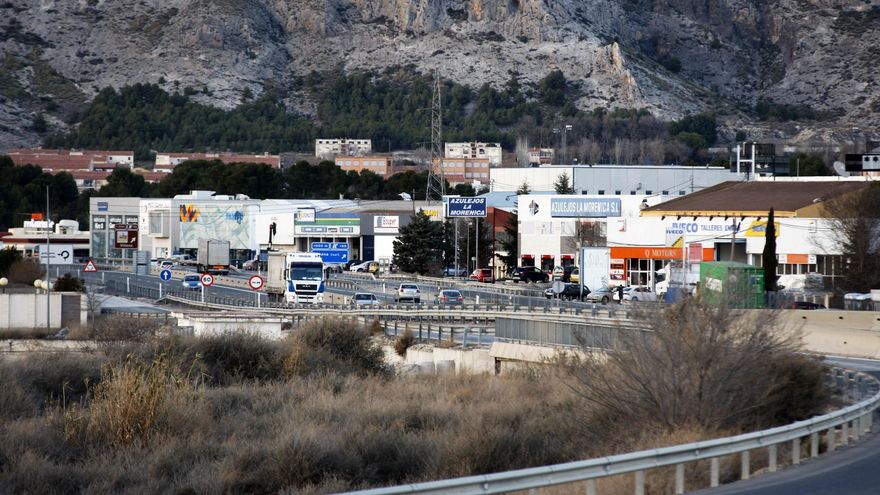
(838,428)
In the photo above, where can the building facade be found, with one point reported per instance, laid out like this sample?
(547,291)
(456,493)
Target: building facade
(166,162)
(491,151)
(465,170)
(328,148)
(380,165)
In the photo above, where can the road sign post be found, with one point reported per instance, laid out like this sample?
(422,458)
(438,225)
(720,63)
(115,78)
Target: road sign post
(165,275)
(332,252)
(207,280)
(90,267)
(255,282)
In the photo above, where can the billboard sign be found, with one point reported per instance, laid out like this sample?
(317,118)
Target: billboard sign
(59,254)
(574,207)
(305,215)
(595,265)
(386,224)
(466,207)
(125,236)
(331,252)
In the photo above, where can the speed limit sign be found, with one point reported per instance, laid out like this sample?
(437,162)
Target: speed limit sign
(256,282)
(207,279)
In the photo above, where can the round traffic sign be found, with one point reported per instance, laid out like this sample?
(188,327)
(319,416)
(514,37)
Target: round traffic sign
(165,275)
(558,286)
(256,282)
(207,279)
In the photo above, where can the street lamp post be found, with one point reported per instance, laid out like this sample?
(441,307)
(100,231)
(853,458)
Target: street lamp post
(3,283)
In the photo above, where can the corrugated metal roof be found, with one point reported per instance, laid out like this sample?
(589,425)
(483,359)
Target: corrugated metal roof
(732,197)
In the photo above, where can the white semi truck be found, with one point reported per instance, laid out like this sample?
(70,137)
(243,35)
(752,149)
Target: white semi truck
(297,277)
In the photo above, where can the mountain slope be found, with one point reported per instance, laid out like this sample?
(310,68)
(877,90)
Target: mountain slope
(668,56)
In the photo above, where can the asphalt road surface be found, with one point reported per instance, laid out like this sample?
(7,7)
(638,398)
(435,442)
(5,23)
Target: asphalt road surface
(850,470)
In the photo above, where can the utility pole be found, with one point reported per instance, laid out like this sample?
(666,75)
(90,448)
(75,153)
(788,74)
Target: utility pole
(477,242)
(48,287)
(732,238)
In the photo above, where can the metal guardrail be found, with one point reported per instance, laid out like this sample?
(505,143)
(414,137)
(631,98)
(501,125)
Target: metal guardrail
(853,421)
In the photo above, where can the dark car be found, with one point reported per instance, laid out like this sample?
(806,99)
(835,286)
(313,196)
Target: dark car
(806,305)
(528,274)
(351,263)
(451,271)
(571,292)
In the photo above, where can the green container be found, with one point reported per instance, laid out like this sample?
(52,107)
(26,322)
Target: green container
(737,285)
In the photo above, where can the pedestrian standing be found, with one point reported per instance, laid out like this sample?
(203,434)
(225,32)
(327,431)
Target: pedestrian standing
(620,293)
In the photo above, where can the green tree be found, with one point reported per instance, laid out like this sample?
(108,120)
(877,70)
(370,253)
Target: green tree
(703,124)
(552,88)
(8,256)
(563,185)
(122,183)
(419,247)
(769,255)
(524,188)
(508,243)
(807,165)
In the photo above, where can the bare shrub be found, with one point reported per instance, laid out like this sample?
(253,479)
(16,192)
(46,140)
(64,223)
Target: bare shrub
(333,345)
(24,333)
(69,283)
(376,328)
(113,328)
(33,383)
(126,405)
(225,359)
(404,342)
(25,272)
(702,365)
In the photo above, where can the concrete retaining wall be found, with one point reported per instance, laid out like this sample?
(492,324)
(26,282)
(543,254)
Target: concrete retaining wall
(463,360)
(29,310)
(839,333)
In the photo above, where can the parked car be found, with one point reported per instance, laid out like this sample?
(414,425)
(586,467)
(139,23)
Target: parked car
(365,299)
(250,265)
(483,275)
(558,274)
(167,264)
(805,305)
(351,264)
(528,274)
(575,276)
(408,292)
(192,282)
(449,297)
(603,295)
(639,293)
(451,271)
(570,292)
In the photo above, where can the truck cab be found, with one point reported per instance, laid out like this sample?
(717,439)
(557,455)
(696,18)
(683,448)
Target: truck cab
(304,274)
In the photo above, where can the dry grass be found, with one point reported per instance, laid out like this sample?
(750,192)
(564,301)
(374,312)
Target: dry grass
(317,413)
(24,333)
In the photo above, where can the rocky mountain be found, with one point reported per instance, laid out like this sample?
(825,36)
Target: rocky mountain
(668,56)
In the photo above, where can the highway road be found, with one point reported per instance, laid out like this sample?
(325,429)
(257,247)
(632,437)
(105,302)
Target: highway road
(850,470)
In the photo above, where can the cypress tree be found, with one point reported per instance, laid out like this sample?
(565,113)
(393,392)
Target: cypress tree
(769,255)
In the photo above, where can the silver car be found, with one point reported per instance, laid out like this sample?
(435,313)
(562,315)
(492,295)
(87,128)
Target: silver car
(408,292)
(364,299)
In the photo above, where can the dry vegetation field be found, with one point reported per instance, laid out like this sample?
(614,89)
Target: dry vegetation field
(321,412)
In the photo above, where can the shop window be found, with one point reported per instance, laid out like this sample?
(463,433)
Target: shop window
(601,192)
(617,192)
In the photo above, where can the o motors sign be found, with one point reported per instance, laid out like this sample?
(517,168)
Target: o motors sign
(466,207)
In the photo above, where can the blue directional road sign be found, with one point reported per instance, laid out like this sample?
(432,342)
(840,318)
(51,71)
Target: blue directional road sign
(331,252)
(165,275)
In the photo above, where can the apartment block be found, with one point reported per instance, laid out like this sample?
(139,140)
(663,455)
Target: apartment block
(165,162)
(540,156)
(329,148)
(465,170)
(66,160)
(491,151)
(380,165)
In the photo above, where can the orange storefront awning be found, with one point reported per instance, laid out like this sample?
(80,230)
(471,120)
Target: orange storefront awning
(657,253)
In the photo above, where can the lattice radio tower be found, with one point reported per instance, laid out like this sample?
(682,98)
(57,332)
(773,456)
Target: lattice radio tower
(436,183)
